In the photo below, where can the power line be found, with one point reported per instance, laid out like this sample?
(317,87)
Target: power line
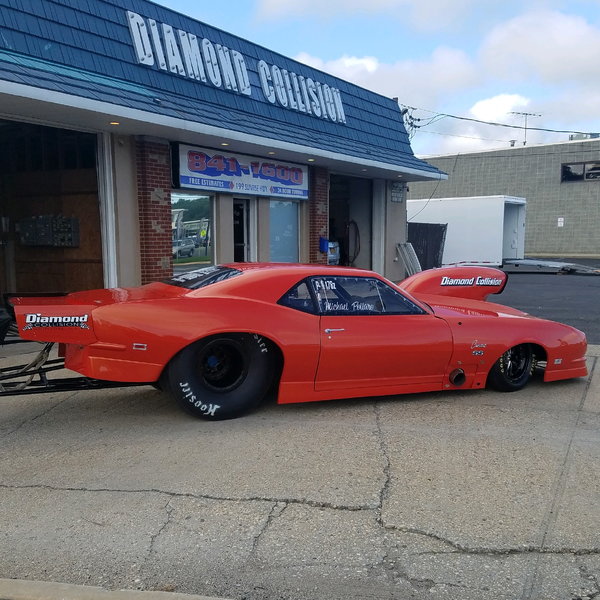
(413,122)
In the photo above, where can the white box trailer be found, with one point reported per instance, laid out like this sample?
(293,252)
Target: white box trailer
(482,230)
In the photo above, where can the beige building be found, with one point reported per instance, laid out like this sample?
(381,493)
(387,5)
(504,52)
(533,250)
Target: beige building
(560,182)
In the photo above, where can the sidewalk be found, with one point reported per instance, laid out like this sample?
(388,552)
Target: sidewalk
(18,589)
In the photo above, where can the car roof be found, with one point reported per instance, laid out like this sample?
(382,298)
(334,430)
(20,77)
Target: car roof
(301,269)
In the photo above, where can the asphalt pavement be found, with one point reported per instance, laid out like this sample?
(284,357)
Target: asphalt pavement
(570,299)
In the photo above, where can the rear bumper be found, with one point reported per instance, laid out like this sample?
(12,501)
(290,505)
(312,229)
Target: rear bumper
(102,361)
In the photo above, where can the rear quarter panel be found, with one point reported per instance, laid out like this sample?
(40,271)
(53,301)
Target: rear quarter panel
(150,333)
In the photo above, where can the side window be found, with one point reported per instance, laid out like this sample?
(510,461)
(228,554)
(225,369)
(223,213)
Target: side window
(360,296)
(395,303)
(332,298)
(299,298)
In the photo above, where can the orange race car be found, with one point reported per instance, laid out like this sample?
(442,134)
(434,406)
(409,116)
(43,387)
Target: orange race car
(219,338)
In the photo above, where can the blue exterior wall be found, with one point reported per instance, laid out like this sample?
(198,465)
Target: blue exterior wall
(85,48)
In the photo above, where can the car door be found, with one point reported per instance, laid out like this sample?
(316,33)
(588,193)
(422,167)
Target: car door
(373,336)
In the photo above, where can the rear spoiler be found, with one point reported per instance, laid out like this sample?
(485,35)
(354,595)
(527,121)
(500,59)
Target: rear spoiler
(472,282)
(8,320)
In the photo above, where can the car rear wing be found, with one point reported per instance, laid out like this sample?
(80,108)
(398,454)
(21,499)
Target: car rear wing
(47,318)
(8,321)
(472,282)
(33,377)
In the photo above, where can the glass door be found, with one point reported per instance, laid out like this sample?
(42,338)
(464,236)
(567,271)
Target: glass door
(240,230)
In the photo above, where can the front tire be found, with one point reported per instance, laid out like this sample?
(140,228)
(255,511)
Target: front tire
(221,377)
(513,369)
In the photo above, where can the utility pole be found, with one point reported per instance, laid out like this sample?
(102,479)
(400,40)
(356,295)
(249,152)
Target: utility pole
(525,114)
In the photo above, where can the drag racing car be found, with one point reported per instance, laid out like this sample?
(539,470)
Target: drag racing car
(221,338)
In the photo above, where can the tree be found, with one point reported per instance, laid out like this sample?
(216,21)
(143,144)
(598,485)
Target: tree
(196,209)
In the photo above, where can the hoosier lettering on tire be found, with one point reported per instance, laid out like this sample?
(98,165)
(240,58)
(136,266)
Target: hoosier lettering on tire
(221,377)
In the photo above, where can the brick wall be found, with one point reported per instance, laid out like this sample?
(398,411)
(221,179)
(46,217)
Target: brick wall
(153,159)
(318,213)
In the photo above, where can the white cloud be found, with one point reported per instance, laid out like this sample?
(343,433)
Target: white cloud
(425,14)
(497,108)
(280,9)
(547,45)
(543,61)
(344,67)
(547,56)
(420,83)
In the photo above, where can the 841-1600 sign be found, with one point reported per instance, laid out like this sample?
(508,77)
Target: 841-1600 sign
(203,168)
(214,166)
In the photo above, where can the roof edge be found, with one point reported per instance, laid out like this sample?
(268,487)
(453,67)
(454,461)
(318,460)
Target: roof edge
(141,116)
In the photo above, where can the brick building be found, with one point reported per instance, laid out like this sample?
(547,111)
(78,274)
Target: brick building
(561,183)
(113,109)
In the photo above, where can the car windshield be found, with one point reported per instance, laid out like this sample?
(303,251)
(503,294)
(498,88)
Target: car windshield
(193,280)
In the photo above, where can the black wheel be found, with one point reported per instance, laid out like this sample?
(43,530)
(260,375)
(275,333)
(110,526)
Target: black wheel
(221,377)
(513,369)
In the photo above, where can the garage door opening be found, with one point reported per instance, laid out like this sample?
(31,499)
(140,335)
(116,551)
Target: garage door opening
(350,219)
(50,233)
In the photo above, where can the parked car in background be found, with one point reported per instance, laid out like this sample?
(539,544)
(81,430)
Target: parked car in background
(184,247)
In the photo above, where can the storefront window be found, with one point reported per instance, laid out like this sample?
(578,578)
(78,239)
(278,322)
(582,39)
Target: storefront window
(284,231)
(191,226)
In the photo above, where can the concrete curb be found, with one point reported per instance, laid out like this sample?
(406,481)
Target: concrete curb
(593,350)
(19,589)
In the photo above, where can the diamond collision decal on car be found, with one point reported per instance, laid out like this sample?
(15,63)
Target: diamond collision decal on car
(34,320)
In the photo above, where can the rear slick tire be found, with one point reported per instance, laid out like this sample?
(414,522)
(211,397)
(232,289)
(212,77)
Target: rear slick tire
(513,369)
(221,377)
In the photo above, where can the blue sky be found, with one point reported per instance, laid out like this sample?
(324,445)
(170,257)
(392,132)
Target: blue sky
(480,59)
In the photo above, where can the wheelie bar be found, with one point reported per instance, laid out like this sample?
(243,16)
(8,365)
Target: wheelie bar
(31,378)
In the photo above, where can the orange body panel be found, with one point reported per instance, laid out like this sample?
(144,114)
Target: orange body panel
(130,335)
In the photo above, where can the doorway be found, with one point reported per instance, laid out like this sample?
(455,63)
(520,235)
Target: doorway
(513,242)
(240,230)
(350,219)
(50,235)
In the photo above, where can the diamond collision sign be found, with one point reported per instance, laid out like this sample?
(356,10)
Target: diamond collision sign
(205,169)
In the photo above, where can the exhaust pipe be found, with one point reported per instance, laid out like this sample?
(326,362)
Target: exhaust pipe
(457,377)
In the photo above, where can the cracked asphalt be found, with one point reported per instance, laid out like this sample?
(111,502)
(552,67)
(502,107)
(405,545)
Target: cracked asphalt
(465,495)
